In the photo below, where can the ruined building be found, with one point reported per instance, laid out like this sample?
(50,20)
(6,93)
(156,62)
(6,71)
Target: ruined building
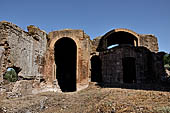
(68,60)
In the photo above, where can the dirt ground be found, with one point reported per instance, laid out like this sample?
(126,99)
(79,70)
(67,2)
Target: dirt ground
(90,100)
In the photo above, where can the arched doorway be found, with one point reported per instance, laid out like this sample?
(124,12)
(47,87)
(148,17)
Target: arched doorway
(65,59)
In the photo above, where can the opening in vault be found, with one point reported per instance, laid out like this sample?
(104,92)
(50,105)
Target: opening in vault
(65,59)
(129,70)
(120,38)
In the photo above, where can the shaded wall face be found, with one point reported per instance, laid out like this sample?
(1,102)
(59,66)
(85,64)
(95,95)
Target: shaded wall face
(129,69)
(115,69)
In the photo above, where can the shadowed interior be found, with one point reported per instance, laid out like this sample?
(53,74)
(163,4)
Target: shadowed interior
(65,59)
(120,38)
(129,70)
(96,75)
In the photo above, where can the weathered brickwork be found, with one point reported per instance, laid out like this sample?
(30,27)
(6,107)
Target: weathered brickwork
(83,55)
(22,50)
(147,64)
(66,60)
(139,61)
(150,42)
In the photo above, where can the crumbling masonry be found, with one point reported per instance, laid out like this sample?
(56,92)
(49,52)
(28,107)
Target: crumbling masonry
(68,60)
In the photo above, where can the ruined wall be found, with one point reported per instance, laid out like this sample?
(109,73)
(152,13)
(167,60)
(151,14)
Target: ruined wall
(23,50)
(149,41)
(83,55)
(32,54)
(146,64)
(94,44)
(145,40)
(1,57)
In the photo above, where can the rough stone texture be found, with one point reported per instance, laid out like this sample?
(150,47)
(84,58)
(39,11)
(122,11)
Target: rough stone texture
(23,50)
(149,41)
(144,40)
(1,57)
(149,66)
(21,88)
(95,43)
(83,55)
(32,55)
(148,61)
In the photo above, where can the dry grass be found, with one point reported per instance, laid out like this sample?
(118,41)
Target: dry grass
(92,100)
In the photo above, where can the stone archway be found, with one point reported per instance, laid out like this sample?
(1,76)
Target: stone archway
(65,54)
(118,37)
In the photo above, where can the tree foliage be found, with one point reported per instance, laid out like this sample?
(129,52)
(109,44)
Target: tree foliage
(166,59)
(11,75)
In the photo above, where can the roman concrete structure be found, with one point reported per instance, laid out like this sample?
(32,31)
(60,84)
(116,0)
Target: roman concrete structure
(68,60)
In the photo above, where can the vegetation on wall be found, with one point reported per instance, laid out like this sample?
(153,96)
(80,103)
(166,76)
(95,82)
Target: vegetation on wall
(167,60)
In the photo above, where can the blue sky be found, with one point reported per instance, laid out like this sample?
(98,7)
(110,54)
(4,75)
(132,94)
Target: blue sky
(95,17)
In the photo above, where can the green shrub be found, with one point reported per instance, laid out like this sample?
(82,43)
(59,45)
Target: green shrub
(166,59)
(11,75)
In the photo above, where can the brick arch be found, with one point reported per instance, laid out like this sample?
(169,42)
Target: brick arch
(65,51)
(103,43)
(54,40)
(127,30)
(52,46)
(82,62)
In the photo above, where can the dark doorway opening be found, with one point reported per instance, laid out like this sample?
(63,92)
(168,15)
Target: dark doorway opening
(129,70)
(96,75)
(65,59)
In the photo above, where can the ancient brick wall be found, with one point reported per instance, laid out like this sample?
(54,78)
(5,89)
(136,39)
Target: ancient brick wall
(94,44)
(112,68)
(149,41)
(1,57)
(23,50)
(32,54)
(83,55)
(145,61)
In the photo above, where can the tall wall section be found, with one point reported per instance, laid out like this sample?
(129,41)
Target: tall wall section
(24,51)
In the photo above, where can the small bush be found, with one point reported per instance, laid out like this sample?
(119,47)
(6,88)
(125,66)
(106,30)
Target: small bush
(11,75)
(166,59)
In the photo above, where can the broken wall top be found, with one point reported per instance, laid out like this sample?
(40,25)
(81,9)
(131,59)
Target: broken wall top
(32,30)
(149,41)
(66,32)
(24,50)
(145,40)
